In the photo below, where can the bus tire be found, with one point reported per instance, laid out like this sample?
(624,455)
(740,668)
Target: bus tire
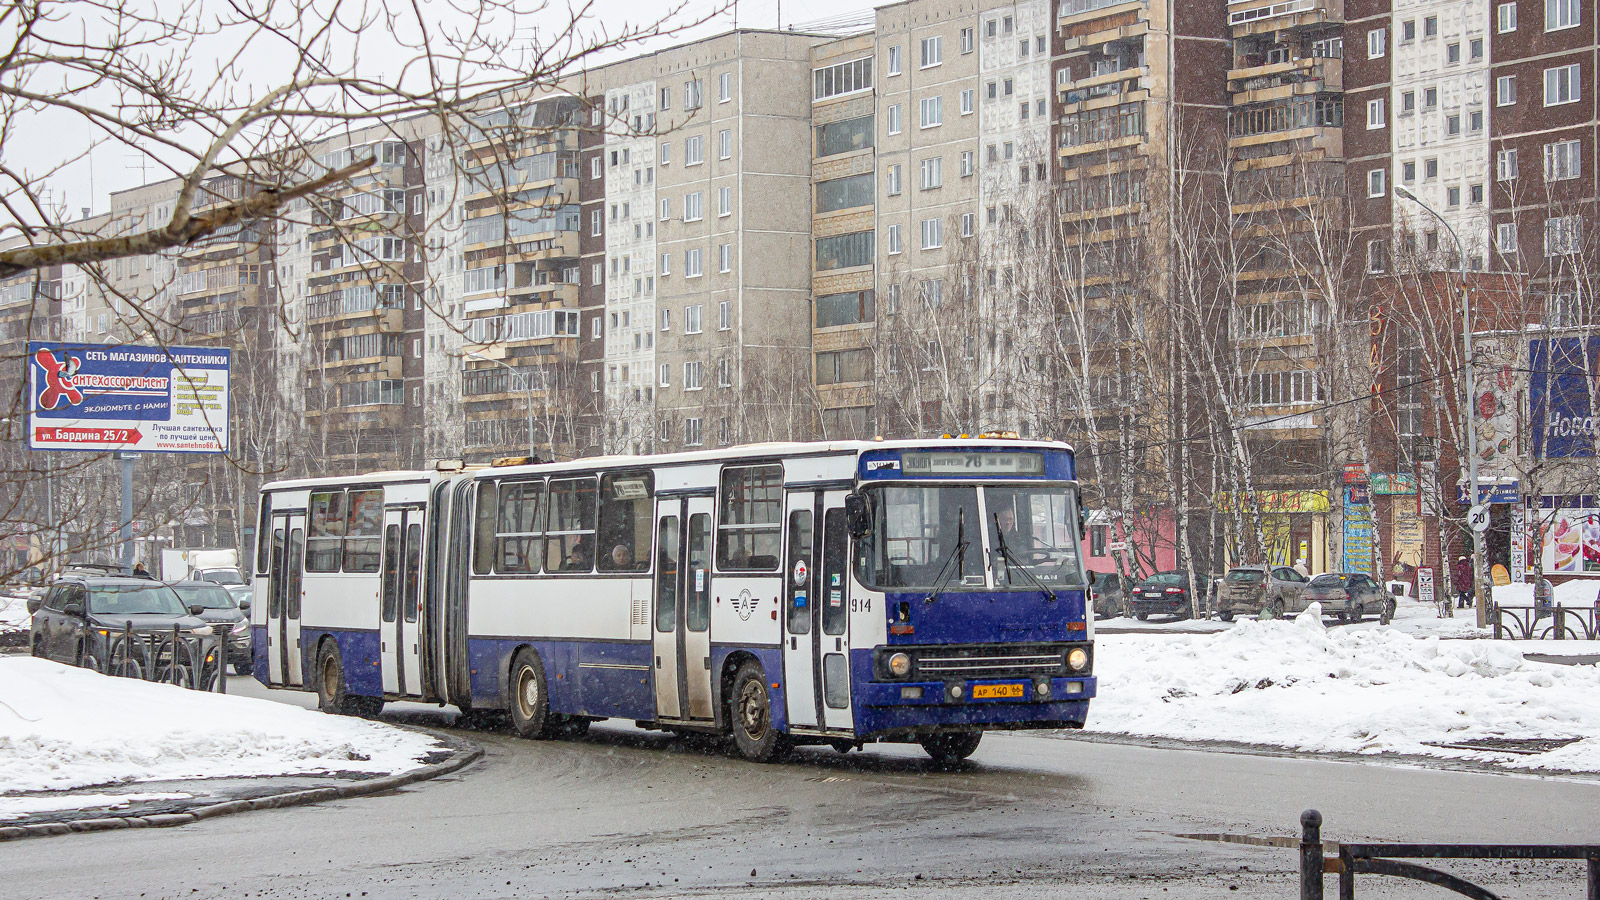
(530,701)
(750,716)
(951,746)
(331,694)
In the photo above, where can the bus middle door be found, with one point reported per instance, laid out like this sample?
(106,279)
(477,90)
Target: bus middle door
(398,639)
(284,587)
(682,621)
(833,613)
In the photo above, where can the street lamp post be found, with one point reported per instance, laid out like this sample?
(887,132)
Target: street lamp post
(1479,570)
(527,389)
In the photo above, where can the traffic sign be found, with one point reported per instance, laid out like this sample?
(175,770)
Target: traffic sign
(1478,517)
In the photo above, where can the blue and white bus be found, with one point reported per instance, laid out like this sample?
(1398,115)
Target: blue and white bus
(824,593)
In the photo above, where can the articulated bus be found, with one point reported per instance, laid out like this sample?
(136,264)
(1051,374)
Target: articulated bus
(827,593)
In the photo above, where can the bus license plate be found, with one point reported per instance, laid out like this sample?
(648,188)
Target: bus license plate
(997,691)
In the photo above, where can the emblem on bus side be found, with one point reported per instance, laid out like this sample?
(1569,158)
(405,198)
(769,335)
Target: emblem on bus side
(744,604)
(800,572)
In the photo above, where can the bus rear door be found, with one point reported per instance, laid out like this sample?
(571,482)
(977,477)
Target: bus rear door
(681,625)
(816,647)
(284,599)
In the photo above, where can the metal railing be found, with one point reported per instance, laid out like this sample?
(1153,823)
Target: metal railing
(158,656)
(1387,859)
(1545,622)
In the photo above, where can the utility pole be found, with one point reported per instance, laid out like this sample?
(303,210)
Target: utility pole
(1480,585)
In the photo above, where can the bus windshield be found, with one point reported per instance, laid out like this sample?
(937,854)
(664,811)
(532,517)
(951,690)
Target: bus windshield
(916,528)
(1032,529)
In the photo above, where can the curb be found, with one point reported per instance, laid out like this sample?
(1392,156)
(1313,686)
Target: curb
(462,755)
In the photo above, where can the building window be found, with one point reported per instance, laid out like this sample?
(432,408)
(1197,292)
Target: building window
(1452,125)
(1430,99)
(1408,102)
(1475,194)
(1452,196)
(692,318)
(1505,90)
(1430,27)
(966,224)
(1561,235)
(666,208)
(1377,43)
(844,251)
(724,374)
(597,222)
(666,374)
(1452,53)
(693,206)
(1505,164)
(1507,17)
(932,52)
(1475,121)
(1475,49)
(891,181)
(966,40)
(693,376)
(666,320)
(725,315)
(966,102)
(724,257)
(725,144)
(932,234)
(725,201)
(1375,182)
(664,157)
(932,173)
(1563,160)
(1561,85)
(894,60)
(933,111)
(967,157)
(724,87)
(1430,169)
(895,123)
(844,366)
(1505,238)
(596,167)
(848,308)
(692,264)
(1561,14)
(894,240)
(692,97)
(1375,114)
(1408,172)
(691,432)
(1408,31)
(1377,256)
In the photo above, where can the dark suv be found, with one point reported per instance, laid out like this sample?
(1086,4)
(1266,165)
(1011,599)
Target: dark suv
(224,615)
(81,620)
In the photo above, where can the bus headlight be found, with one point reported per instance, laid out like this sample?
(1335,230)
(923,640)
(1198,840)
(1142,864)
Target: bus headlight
(1077,659)
(899,665)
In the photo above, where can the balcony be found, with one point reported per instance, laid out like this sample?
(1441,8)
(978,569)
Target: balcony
(1252,17)
(1300,119)
(1257,81)
(1107,89)
(1114,22)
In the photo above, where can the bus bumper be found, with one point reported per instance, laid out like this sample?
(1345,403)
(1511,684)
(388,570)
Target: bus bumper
(909,708)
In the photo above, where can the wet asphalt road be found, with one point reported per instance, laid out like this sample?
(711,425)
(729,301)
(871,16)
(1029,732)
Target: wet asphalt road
(629,813)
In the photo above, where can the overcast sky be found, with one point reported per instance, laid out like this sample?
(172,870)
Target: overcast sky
(90,181)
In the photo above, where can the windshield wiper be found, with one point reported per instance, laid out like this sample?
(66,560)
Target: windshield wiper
(1012,562)
(955,563)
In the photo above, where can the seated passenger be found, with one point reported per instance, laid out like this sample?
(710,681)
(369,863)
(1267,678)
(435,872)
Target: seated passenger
(621,557)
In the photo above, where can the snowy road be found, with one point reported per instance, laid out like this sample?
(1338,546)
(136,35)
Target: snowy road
(642,814)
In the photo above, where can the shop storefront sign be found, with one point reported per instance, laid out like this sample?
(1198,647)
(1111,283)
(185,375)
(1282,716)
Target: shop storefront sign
(1394,483)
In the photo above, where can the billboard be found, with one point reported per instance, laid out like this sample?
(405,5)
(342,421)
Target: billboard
(1559,396)
(124,397)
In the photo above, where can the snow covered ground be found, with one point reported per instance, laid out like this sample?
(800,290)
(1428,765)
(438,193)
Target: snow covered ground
(62,728)
(13,613)
(1305,686)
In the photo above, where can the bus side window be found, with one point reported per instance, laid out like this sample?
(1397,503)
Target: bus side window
(625,523)
(569,529)
(264,535)
(362,530)
(752,516)
(483,528)
(519,534)
(391,570)
(325,539)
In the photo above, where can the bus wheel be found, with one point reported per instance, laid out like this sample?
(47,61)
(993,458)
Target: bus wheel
(750,711)
(331,694)
(530,703)
(951,747)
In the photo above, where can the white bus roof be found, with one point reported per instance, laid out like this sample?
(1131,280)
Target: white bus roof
(399,476)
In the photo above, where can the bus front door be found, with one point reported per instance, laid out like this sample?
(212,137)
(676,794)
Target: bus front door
(283,599)
(681,626)
(833,615)
(401,598)
(800,645)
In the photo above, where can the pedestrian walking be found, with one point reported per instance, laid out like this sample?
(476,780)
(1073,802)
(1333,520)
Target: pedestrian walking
(1461,576)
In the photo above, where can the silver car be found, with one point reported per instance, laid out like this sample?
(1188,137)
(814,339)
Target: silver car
(1252,590)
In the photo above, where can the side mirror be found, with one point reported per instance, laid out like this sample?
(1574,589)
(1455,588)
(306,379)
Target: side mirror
(196,609)
(857,516)
(73,608)
(244,605)
(34,603)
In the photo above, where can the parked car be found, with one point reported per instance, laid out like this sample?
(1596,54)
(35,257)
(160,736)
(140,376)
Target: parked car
(81,619)
(1165,593)
(1111,592)
(1348,596)
(222,612)
(1253,589)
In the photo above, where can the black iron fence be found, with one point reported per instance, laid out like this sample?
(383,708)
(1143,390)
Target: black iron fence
(1549,622)
(177,657)
(1350,860)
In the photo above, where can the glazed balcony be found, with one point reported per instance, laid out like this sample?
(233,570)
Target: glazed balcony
(1258,81)
(1252,17)
(1085,24)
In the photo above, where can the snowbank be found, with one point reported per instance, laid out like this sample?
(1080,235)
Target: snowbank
(62,727)
(13,613)
(1304,686)
(1571,594)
